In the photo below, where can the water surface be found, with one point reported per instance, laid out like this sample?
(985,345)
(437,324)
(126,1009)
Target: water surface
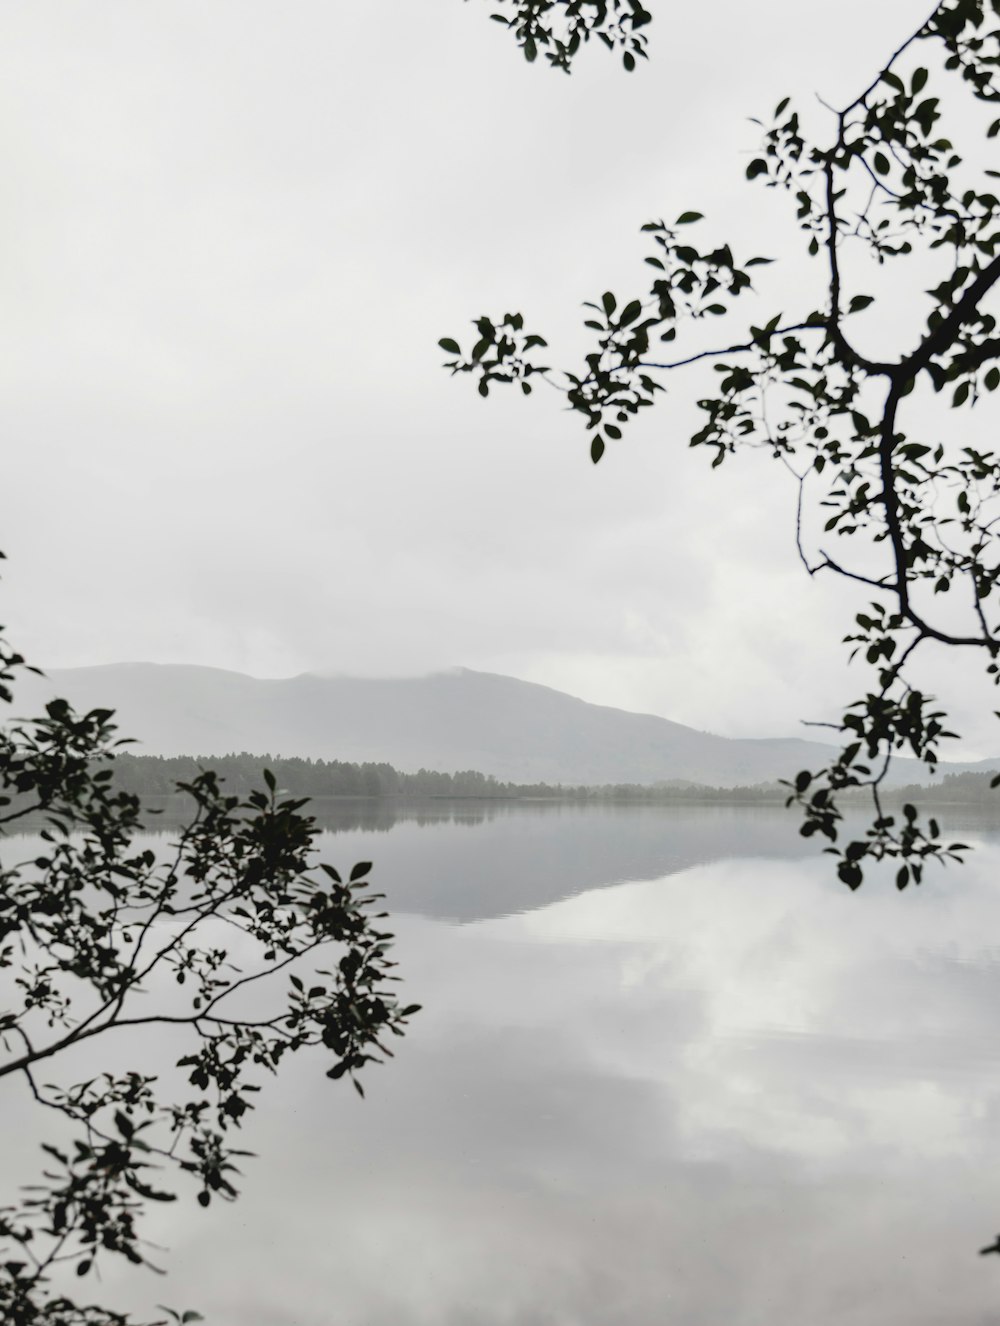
(668,1071)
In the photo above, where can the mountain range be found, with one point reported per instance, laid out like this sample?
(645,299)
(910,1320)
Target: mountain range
(516,730)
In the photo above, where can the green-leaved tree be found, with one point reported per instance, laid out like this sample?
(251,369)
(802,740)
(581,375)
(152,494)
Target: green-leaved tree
(234,938)
(908,515)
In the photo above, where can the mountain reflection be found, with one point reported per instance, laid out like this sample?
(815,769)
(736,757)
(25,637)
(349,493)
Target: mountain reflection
(522,857)
(736,1096)
(525,855)
(667,1071)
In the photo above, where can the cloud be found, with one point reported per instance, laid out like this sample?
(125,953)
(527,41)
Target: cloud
(232,240)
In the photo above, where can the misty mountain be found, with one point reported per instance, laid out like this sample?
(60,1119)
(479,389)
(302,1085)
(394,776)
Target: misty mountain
(515,730)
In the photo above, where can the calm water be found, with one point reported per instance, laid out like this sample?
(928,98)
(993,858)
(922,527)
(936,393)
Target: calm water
(668,1071)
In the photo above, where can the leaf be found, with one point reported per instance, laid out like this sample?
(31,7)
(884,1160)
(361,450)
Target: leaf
(596,449)
(756,167)
(609,302)
(686,218)
(360,870)
(850,874)
(452,347)
(858,302)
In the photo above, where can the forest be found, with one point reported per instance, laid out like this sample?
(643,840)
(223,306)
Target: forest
(155,775)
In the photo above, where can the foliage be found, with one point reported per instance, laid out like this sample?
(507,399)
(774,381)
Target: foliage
(917,511)
(561,27)
(217,941)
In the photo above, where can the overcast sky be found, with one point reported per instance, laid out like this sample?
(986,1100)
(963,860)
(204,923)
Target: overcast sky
(231,237)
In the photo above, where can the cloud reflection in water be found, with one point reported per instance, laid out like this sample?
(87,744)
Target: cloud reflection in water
(735,1094)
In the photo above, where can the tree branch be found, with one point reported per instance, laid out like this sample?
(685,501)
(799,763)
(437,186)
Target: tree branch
(741,348)
(944,333)
(845,350)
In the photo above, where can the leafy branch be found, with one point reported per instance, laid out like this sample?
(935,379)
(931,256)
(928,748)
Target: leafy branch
(560,28)
(885,182)
(218,939)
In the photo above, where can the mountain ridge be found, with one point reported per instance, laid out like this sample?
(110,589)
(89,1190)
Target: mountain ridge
(517,730)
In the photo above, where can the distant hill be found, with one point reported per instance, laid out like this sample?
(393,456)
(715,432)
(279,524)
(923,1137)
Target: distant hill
(514,730)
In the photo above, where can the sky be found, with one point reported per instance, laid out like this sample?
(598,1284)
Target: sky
(231,238)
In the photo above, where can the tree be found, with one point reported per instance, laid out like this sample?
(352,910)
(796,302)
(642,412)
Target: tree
(98,934)
(919,512)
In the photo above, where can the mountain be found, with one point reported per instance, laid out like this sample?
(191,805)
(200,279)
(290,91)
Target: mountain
(516,730)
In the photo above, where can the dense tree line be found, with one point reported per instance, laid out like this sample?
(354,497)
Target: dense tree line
(154,775)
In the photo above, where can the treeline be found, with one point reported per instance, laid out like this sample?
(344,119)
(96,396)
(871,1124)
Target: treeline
(156,775)
(971,788)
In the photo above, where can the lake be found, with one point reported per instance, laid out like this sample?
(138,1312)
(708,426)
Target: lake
(668,1071)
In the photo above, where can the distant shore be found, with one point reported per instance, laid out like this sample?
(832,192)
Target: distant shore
(154,775)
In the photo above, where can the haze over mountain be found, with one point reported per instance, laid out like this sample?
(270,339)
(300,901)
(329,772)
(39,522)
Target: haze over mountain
(515,730)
